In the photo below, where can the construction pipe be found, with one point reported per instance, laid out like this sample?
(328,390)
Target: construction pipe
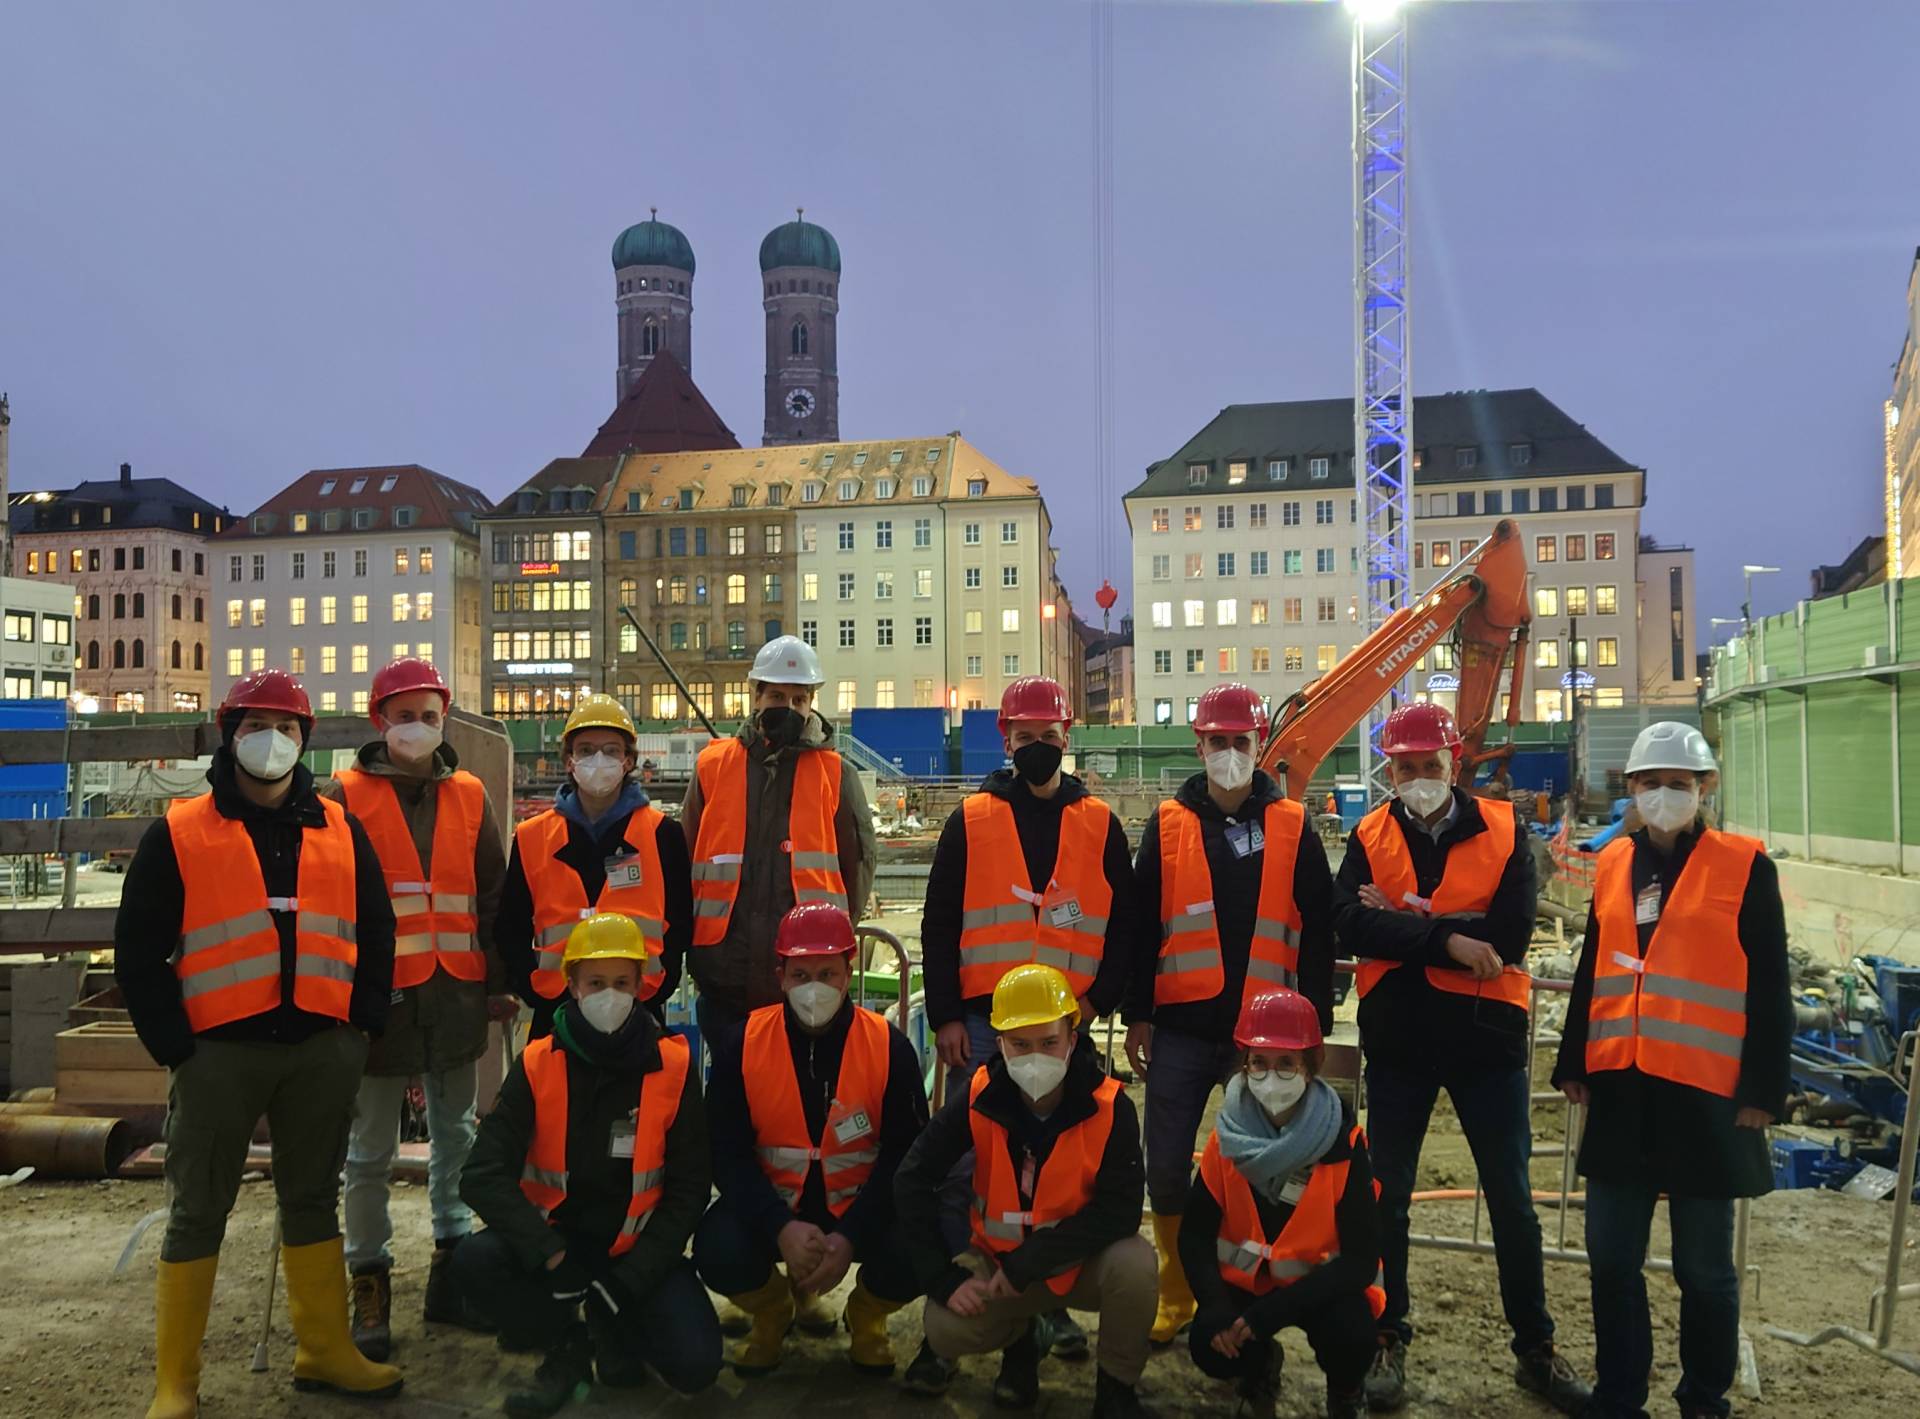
(56,1147)
(36,1109)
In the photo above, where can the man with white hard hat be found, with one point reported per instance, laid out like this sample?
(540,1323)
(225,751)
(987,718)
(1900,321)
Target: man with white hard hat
(775,817)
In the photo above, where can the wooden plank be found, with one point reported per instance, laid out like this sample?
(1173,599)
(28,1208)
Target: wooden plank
(86,1087)
(101,1045)
(55,835)
(130,743)
(62,929)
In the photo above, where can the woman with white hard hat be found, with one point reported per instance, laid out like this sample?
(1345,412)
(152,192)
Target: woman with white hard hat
(1676,1039)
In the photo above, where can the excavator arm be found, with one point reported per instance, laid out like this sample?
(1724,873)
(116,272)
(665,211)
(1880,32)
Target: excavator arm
(1481,603)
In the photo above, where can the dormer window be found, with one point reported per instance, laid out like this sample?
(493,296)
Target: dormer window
(976,487)
(922,486)
(526,500)
(1519,454)
(687,499)
(849,489)
(895,457)
(356,486)
(386,483)
(826,462)
(1196,475)
(362,518)
(299,521)
(883,488)
(810,492)
(741,495)
(403,517)
(860,459)
(556,500)
(776,494)
(327,486)
(1466,457)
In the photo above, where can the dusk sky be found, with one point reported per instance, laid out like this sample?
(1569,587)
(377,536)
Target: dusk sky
(241,241)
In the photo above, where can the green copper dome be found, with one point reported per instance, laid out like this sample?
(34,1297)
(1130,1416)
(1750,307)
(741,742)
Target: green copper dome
(800,243)
(653,243)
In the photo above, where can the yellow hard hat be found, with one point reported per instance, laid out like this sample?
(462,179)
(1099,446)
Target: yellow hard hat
(605,936)
(598,711)
(1033,995)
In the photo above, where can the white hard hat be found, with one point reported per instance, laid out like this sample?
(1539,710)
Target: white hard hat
(1671,745)
(787,660)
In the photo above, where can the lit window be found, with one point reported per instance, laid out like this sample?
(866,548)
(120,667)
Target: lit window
(1607,650)
(402,606)
(235,611)
(1195,612)
(1546,653)
(297,611)
(236,661)
(1162,520)
(1162,615)
(1576,601)
(399,561)
(1606,600)
(1190,519)
(359,664)
(922,583)
(1546,549)
(257,611)
(1546,601)
(329,702)
(1326,657)
(256,656)
(846,693)
(1260,660)
(423,606)
(360,609)
(1229,659)
(329,659)
(1602,547)
(1010,619)
(974,621)
(329,610)
(1226,612)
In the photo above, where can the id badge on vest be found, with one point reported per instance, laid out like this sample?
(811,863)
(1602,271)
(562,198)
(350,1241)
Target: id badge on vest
(620,1137)
(1646,905)
(1059,907)
(1295,1187)
(623,870)
(1246,838)
(848,1124)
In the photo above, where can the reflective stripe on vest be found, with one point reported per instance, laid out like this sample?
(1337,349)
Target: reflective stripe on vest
(1309,1239)
(1190,965)
(1681,1012)
(560,901)
(719,849)
(543,1176)
(228,959)
(1065,1184)
(1467,888)
(786,1152)
(1005,923)
(433,909)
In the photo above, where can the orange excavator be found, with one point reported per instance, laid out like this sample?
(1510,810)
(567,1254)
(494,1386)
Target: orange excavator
(1481,605)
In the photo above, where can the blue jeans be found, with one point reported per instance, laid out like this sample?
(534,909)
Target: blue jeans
(1181,1075)
(373,1141)
(733,1258)
(1493,1114)
(1619,1216)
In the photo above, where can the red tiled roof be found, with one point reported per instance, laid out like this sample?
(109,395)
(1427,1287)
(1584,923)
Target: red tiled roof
(437,502)
(664,412)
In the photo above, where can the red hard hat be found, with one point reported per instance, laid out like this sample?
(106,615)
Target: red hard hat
(1419,729)
(1034,699)
(268,690)
(1231,709)
(814,929)
(1278,1019)
(398,677)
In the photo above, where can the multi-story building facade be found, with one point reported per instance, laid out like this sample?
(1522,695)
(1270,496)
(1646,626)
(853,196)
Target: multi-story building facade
(1110,675)
(1246,562)
(1668,649)
(136,552)
(345,569)
(36,656)
(1902,414)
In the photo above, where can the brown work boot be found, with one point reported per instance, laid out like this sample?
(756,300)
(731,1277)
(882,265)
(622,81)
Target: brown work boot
(373,1310)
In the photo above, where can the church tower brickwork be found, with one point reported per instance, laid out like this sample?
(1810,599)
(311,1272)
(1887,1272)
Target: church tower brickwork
(653,298)
(800,282)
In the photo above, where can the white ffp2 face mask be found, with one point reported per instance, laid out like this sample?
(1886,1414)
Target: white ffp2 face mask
(1230,769)
(598,776)
(267,754)
(1276,1093)
(1037,1074)
(1668,809)
(411,742)
(815,1002)
(1425,795)
(606,1010)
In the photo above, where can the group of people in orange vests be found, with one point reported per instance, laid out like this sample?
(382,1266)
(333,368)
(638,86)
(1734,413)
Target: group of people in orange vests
(299,951)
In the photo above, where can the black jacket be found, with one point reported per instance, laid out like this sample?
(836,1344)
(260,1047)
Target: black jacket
(816,1067)
(587,853)
(146,932)
(1356,1218)
(1120,1185)
(1236,902)
(1404,1021)
(604,1075)
(1668,1136)
(1037,820)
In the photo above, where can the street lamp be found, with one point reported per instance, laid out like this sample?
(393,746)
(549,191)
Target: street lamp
(1746,607)
(1726,621)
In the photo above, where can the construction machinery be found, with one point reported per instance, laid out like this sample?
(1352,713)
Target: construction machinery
(1479,608)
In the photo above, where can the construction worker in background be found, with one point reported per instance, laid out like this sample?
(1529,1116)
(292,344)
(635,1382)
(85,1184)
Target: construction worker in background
(254,947)
(1056,1197)
(1677,1041)
(602,847)
(1436,899)
(812,1105)
(590,1171)
(439,847)
(1281,1226)
(776,817)
(1241,902)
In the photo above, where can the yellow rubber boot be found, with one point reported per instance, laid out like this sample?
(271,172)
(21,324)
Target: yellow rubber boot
(772,1310)
(870,1349)
(1177,1305)
(182,1295)
(326,1358)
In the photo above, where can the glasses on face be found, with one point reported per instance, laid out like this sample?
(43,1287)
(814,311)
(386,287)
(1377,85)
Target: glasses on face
(584,757)
(1284,1071)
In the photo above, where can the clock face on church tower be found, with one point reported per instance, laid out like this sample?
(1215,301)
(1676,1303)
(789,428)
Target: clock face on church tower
(800,403)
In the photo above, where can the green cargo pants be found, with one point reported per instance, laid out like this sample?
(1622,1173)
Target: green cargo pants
(214,1102)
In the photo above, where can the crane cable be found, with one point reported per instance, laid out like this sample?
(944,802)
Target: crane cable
(1102,153)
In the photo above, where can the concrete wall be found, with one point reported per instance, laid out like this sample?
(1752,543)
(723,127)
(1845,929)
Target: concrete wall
(1840,912)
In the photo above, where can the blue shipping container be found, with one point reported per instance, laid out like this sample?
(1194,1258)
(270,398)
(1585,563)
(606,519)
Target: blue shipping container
(912,740)
(982,750)
(33,790)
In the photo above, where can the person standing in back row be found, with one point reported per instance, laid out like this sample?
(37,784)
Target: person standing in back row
(433,827)
(1436,899)
(1244,905)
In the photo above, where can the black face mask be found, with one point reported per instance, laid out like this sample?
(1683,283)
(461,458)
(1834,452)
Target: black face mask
(780,725)
(1037,762)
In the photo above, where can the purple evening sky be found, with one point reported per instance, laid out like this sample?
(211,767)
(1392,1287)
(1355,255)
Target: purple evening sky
(240,241)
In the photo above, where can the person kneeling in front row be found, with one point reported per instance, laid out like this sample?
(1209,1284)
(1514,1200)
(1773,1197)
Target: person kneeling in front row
(590,1173)
(1058,1189)
(1280,1228)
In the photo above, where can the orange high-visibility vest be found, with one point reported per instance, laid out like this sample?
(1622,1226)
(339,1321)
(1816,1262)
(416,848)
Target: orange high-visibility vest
(1065,1184)
(1681,1012)
(1005,923)
(229,955)
(560,902)
(1190,966)
(543,1178)
(434,918)
(813,850)
(1309,1239)
(786,1151)
(1467,888)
